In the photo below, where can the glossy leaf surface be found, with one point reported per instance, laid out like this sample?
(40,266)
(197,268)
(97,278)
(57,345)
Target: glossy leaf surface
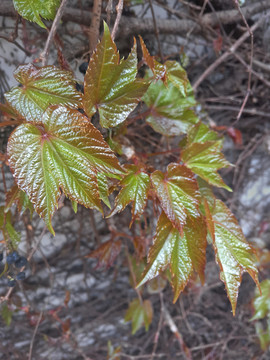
(233,254)
(170,111)
(103,188)
(178,76)
(32,10)
(63,151)
(200,133)
(178,193)
(159,70)
(181,254)
(42,87)
(261,301)
(135,187)
(204,159)
(139,314)
(110,85)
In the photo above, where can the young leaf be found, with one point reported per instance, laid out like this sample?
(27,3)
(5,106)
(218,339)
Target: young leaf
(63,151)
(178,193)
(233,254)
(204,159)
(20,198)
(106,253)
(135,187)
(103,188)
(262,301)
(200,133)
(110,85)
(33,9)
(182,254)
(170,112)
(139,314)
(42,87)
(178,76)
(157,68)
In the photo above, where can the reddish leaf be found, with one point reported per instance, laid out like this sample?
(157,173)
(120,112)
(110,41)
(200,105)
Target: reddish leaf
(110,85)
(135,187)
(236,135)
(233,254)
(181,254)
(42,87)
(157,68)
(106,253)
(20,198)
(63,151)
(178,193)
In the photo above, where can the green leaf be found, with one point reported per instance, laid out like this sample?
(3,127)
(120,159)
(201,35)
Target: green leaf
(181,254)
(135,188)
(103,188)
(42,87)
(178,193)
(32,9)
(170,111)
(233,254)
(6,314)
(178,76)
(204,159)
(20,198)
(63,151)
(200,133)
(13,235)
(139,314)
(261,301)
(263,334)
(110,85)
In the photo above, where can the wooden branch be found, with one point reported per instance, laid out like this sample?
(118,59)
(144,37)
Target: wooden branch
(132,25)
(119,10)
(45,54)
(94,28)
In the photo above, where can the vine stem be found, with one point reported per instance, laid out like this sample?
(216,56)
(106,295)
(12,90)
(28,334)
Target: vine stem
(94,27)
(119,10)
(45,53)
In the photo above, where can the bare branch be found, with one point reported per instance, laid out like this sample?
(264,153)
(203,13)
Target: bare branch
(137,26)
(45,53)
(119,9)
(94,28)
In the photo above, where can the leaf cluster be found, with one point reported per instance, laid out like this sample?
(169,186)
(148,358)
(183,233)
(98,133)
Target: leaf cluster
(57,150)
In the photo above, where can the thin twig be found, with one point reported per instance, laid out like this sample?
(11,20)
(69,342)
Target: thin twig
(156,30)
(34,335)
(94,27)
(28,53)
(250,62)
(170,322)
(161,317)
(109,10)
(119,10)
(45,53)
(228,53)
